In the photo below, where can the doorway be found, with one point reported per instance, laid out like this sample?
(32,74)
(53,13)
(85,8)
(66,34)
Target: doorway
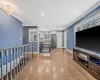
(53,41)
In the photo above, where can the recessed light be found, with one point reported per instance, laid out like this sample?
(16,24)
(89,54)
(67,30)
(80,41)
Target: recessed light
(77,13)
(42,14)
(61,28)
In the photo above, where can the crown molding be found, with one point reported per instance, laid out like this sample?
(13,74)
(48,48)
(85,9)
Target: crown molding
(17,18)
(25,24)
(87,12)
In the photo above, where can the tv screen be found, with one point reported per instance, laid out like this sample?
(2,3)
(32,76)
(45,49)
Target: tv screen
(89,39)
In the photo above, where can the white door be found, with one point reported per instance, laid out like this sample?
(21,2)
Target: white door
(59,39)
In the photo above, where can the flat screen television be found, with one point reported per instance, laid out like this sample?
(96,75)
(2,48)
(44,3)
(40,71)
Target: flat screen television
(89,39)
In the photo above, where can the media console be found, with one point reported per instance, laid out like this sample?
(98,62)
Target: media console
(89,60)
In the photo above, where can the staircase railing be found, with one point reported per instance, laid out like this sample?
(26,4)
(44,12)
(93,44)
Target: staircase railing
(12,60)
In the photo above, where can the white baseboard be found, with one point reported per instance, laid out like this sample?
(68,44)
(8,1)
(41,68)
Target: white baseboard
(66,49)
(60,48)
(35,52)
(69,50)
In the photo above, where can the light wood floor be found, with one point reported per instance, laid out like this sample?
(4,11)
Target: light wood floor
(57,66)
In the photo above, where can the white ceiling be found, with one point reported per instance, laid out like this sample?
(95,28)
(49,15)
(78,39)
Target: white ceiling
(58,14)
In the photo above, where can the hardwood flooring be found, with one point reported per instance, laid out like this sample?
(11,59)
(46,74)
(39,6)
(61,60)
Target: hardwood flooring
(55,66)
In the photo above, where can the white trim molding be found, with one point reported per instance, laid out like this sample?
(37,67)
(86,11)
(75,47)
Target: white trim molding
(17,18)
(27,24)
(69,51)
(35,52)
(92,21)
(87,12)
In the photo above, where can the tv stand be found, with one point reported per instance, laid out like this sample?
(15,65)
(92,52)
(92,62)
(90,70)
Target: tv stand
(88,60)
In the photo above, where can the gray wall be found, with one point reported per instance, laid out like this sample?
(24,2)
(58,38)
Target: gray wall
(70,37)
(10,30)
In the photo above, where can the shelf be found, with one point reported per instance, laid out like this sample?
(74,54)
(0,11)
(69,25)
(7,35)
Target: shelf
(95,60)
(83,62)
(83,66)
(92,65)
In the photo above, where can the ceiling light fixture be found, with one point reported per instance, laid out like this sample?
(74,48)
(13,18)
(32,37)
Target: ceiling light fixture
(61,28)
(77,13)
(42,14)
(9,10)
